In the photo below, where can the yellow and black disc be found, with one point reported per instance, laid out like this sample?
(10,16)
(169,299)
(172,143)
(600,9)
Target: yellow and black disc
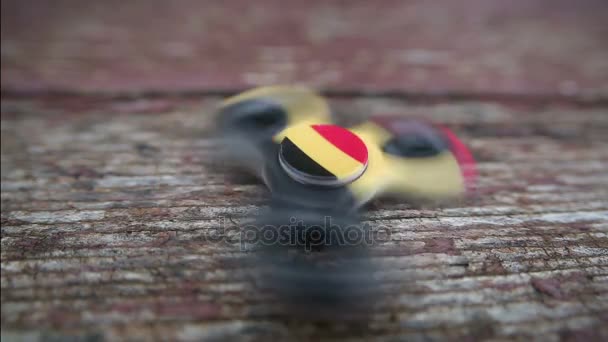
(325,155)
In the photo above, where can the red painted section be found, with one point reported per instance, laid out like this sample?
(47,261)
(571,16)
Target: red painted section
(345,140)
(464,157)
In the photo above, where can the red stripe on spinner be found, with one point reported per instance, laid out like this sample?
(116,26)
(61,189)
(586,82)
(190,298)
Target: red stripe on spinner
(347,141)
(464,157)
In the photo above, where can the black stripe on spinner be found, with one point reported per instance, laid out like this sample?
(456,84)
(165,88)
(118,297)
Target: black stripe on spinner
(300,162)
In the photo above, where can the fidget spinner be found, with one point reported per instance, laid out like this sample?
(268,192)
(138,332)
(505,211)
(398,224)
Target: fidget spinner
(316,169)
(285,136)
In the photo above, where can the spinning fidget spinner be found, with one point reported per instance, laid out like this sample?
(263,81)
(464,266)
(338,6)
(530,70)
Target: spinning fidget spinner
(285,135)
(316,169)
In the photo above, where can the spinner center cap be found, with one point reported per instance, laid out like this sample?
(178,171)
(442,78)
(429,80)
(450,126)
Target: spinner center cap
(326,155)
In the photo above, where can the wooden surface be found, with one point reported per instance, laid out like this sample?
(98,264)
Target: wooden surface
(109,187)
(104,216)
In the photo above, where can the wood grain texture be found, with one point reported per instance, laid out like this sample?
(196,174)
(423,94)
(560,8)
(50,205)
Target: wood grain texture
(107,203)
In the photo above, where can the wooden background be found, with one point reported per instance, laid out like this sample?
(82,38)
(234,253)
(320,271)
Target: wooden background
(109,185)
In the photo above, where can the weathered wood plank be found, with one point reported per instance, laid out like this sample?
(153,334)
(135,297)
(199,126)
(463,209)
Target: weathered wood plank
(106,219)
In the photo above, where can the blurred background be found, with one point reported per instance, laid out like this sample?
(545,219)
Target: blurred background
(484,47)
